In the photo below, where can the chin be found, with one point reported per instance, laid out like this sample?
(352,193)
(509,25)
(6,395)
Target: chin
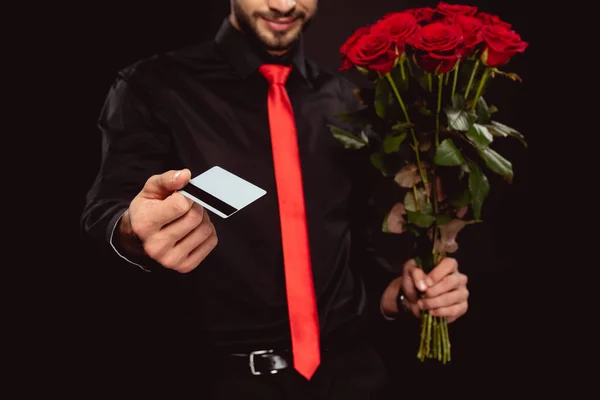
(279,40)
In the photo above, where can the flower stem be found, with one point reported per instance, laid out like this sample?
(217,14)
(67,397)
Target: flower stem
(486,74)
(471,79)
(409,66)
(402,71)
(455,80)
(439,109)
(416,196)
(412,131)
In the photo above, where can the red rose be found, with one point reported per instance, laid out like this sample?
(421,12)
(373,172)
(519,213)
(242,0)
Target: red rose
(345,48)
(472,31)
(422,14)
(455,9)
(438,46)
(398,26)
(374,52)
(501,44)
(490,19)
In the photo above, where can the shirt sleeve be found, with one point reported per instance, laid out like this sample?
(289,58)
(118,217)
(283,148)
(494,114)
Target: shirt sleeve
(135,146)
(376,270)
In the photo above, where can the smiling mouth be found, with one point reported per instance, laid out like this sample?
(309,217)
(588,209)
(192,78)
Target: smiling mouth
(280,25)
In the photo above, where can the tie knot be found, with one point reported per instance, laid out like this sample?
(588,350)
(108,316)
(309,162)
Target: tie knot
(275,74)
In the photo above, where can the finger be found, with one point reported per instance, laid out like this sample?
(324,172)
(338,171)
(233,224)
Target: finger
(159,187)
(155,217)
(419,277)
(408,285)
(447,284)
(199,253)
(452,313)
(183,235)
(446,267)
(412,307)
(195,238)
(444,300)
(182,226)
(176,256)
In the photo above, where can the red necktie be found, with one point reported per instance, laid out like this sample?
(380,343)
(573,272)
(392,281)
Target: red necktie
(304,320)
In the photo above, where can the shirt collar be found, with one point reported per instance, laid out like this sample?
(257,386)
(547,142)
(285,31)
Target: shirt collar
(245,57)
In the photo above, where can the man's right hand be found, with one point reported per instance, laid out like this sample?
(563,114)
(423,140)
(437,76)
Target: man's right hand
(166,226)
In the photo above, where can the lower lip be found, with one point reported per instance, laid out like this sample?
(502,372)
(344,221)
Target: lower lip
(278,26)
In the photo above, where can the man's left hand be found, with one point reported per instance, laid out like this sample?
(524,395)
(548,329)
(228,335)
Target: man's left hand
(443,292)
(446,294)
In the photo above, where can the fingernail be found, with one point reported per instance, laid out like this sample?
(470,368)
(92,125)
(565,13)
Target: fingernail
(176,175)
(429,281)
(422,285)
(421,305)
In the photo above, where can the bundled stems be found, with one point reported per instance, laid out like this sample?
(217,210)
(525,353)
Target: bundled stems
(434,338)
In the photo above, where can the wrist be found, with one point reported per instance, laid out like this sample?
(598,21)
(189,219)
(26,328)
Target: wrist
(390,305)
(127,240)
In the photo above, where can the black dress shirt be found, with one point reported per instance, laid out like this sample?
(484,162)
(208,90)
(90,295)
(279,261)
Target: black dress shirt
(206,105)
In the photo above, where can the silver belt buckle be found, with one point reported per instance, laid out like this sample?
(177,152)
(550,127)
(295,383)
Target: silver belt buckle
(259,353)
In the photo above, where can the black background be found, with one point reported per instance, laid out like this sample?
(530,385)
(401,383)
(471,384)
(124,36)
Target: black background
(98,319)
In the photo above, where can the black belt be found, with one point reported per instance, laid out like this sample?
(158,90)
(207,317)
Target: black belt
(258,362)
(271,361)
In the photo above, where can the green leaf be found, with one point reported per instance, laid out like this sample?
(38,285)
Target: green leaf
(423,218)
(384,224)
(458,102)
(443,219)
(402,126)
(499,129)
(355,117)
(410,203)
(383,98)
(348,139)
(362,70)
(391,143)
(479,188)
(497,163)
(480,136)
(484,116)
(377,161)
(425,111)
(447,154)
(458,119)
(463,200)
(420,219)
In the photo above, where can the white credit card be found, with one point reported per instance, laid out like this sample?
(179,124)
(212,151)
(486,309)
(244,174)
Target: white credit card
(221,191)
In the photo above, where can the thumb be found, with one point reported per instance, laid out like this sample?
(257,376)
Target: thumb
(163,185)
(413,280)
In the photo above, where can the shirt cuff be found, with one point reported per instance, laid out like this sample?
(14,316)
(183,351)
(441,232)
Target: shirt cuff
(385,316)
(117,220)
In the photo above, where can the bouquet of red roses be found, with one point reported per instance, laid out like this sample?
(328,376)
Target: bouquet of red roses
(430,68)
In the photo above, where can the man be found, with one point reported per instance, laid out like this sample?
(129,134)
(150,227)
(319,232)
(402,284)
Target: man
(284,313)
